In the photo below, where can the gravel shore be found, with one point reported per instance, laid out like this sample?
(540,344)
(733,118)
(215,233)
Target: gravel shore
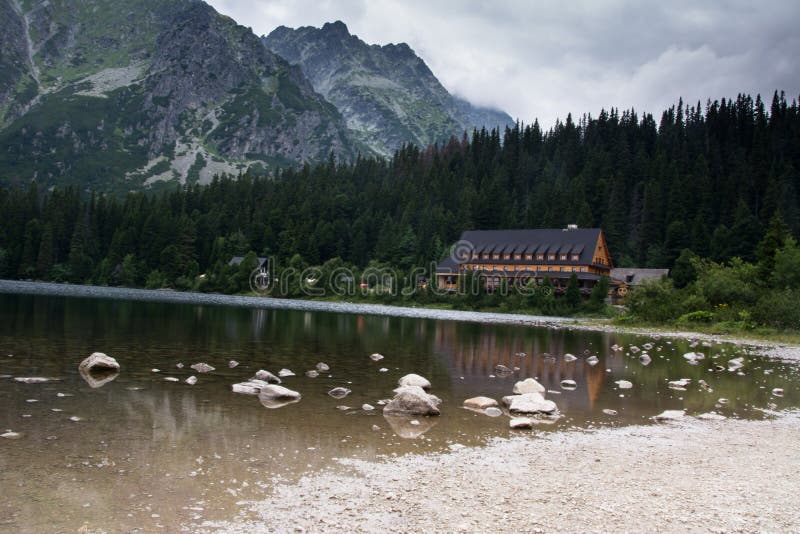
(690,476)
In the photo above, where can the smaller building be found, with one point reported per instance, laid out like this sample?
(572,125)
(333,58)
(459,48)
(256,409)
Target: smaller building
(623,280)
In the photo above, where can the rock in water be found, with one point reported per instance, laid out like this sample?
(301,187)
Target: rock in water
(529,385)
(251,387)
(312,374)
(414,380)
(367,407)
(323,367)
(266,376)
(624,384)
(192,380)
(202,368)
(11,435)
(778,392)
(644,358)
(670,415)
(520,423)
(531,403)
(283,373)
(376,357)
(339,393)
(609,411)
(592,360)
(493,412)
(32,379)
(98,360)
(569,385)
(711,416)
(480,403)
(412,400)
(407,427)
(570,357)
(735,364)
(272,391)
(233,363)
(502,371)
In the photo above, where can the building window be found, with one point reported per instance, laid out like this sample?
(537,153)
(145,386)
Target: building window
(517,257)
(540,257)
(551,257)
(528,257)
(474,255)
(563,257)
(496,256)
(506,256)
(485,256)
(575,257)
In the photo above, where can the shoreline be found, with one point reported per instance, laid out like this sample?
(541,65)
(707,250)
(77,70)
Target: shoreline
(687,476)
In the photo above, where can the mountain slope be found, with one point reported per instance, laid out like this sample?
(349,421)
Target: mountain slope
(387,94)
(141,91)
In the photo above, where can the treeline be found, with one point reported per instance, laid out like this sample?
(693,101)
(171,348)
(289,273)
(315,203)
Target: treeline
(704,178)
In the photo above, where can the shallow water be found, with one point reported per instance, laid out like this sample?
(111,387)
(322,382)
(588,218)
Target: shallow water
(152,454)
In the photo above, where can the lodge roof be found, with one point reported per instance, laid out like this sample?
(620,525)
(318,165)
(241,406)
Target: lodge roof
(580,241)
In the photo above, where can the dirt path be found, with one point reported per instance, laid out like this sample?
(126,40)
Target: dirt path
(692,476)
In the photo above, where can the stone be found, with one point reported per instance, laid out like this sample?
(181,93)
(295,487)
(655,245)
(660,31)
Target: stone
(480,403)
(179,365)
(634,349)
(414,380)
(704,385)
(312,374)
(273,391)
(202,368)
(711,416)
(570,357)
(624,384)
(339,393)
(616,348)
(778,392)
(412,400)
(735,364)
(10,435)
(323,367)
(251,387)
(723,401)
(171,379)
(75,419)
(502,371)
(376,357)
(367,407)
(98,361)
(694,357)
(592,360)
(233,364)
(569,384)
(32,379)
(192,380)
(531,403)
(268,377)
(493,412)
(679,385)
(383,370)
(647,346)
(670,415)
(518,423)
(343,408)
(283,373)
(644,358)
(609,411)
(529,385)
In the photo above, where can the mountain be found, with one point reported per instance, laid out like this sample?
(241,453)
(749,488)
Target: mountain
(387,94)
(117,94)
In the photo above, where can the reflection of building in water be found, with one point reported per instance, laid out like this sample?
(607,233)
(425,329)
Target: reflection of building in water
(473,352)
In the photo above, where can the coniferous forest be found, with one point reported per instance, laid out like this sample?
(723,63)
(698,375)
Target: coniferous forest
(705,177)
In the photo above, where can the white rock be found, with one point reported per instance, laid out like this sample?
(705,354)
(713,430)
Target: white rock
(624,384)
(376,357)
(251,387)
(192,380)
(532,403)
(711,416)
(312,374)
(493,412)
(693,357)
(323,367)
(179,365)
(202,368)
(520,423)
(609,411)
(283,373)
(735,364)
(647,346)
(171,379)
(155,370)
(644,358)
(11,435)
(273,391)
(568,385)
(634,349)
(592,360)
(723,400)
(98,360)
(414,380)
(383,370)
(75,419)
(339,392)
(778,392)
(367,407)
(529,385)
(679,385)
(233,363)
(570,357)
(670,415)
(480,403)
(32,379)
(266,376)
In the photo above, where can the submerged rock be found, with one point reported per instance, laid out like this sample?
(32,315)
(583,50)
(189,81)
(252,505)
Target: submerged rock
(493,412)
(192,380)
(32,379)
(520,423)
(376,357)
(480,403)
(624,384)
(275,403)
(502,371)
(283,373)
(570,357)
(529,385)
(203,368)
(414,380)
(531,403)
(323,367)
(412,400)
(670,415)
(569,384)
(339,393)
(266,376)
(97,361)
(592,360)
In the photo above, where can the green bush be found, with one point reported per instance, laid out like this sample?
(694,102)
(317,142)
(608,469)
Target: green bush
(700,316)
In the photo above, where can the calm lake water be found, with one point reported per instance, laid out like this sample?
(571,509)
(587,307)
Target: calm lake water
(152,454)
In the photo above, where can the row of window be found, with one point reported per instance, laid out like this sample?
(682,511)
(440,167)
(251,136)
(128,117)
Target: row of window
(528,257)
(550,268)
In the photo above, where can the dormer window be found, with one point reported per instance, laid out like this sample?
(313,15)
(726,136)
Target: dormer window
(563,257)
(506,256)
(551,257)
(529,257)
(540,257)
(517,257)
(485,256)
(575,257)
(495,256)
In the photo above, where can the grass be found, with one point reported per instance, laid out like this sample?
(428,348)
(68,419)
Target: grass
(714,329)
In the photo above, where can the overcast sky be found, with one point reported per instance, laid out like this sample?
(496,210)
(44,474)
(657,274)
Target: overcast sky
(543,60)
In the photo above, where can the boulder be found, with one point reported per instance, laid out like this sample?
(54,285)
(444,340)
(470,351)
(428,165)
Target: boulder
(99,361)
(624,384)
(480,403)
(251,387)
(414,380)
(531,403)
(272,391)
(202,368)
(266,376)
(670,415)
(412,400)
(529,385)
(376,357)
(520,423)
(339,393)
(569,384)
(283,373)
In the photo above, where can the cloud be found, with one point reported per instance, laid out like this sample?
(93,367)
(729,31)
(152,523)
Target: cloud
(548,59)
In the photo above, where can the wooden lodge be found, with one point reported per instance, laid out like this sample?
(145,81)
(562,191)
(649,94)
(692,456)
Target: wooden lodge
(519,256)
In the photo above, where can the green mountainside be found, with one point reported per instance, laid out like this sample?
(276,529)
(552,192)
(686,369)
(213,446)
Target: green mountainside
(115,95)
(387,94)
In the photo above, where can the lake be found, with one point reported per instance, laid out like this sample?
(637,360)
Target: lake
(142,452)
